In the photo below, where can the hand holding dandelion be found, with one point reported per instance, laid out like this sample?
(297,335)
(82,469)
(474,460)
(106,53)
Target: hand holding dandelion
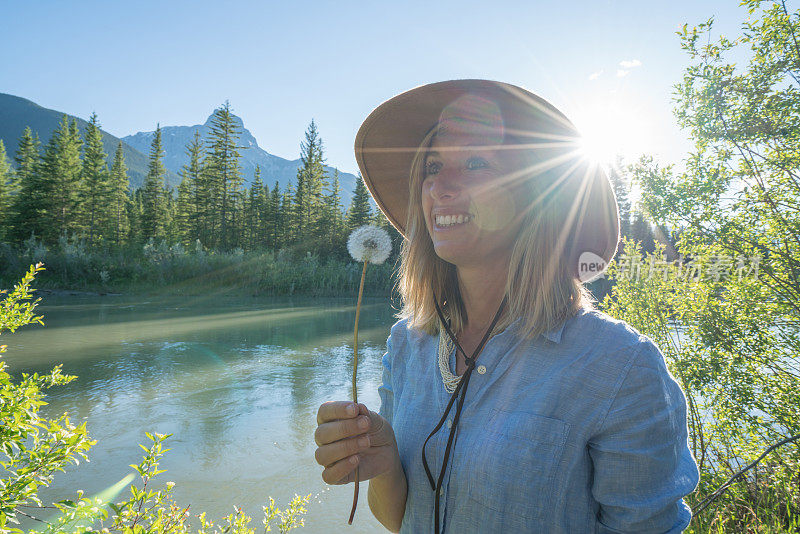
(368,244)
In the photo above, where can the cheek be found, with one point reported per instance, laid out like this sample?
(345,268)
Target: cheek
(425,200)
(494,210)
(425,206)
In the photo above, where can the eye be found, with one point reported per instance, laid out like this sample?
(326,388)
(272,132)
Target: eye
(432,167)
(476,163)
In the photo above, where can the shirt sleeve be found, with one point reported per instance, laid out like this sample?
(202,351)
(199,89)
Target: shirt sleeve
(385,389)
(643,466)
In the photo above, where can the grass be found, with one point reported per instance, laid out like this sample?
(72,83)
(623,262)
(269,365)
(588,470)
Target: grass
(173,270)
(766,502)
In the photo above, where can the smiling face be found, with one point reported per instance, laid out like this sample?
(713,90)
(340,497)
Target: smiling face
(471,203)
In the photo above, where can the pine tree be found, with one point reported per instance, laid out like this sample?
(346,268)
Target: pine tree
(210,210)
(27,156)
(237,219)
(289,233)
(200,208)
(332,219)
(29,204)
(276,221)
(255,212)
(61,182)
(360,211)
(184,211)
(8,191)
(380,220)
(171,230)
(642,231)
(119,225)
(135,210)
(621,186)
(73,172)
(286,235)
(154,209)
(311,179)
(266,217)
(222,165)
(247,215)
(96,188)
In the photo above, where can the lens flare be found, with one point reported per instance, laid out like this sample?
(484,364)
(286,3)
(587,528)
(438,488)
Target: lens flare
(612,129)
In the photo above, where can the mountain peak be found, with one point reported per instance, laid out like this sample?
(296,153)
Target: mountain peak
(273,168)
(236,120)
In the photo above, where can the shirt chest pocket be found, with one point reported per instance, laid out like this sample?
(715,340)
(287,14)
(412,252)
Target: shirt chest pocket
(513,463)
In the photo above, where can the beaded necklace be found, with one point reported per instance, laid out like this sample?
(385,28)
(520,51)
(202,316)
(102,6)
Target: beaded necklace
(446,347)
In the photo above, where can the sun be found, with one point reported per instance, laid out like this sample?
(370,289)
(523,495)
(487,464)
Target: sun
(599,147)
(610,128)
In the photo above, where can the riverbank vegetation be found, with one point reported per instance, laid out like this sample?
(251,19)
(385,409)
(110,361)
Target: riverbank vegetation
(173,269)
(728,318)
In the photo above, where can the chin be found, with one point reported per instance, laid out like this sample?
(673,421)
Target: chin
(450,254)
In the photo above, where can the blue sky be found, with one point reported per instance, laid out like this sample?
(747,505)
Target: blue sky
(283,63)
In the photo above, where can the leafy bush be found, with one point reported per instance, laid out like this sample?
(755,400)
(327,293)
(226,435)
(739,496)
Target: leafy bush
(722,345)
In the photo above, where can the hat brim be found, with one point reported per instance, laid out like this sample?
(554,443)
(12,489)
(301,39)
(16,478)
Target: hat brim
(391,135)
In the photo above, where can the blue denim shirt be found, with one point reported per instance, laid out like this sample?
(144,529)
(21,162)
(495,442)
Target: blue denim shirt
(581,430)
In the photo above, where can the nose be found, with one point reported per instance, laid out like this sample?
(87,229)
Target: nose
(445,184)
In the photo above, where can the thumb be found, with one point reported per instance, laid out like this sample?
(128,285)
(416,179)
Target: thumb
(376,421)
(373,416)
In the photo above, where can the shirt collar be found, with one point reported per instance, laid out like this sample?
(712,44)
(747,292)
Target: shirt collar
(554,334)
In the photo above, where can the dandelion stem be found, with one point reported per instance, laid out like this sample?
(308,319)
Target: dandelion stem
(355,391)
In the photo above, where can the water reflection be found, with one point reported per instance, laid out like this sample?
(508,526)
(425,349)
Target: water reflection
(236,382)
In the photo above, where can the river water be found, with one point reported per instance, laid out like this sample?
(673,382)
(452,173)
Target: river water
(236,381)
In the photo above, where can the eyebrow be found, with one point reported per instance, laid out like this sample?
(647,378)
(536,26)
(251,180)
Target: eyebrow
(479,145)
(452,149)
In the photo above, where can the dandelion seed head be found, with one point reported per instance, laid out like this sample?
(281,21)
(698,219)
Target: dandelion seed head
(369,243)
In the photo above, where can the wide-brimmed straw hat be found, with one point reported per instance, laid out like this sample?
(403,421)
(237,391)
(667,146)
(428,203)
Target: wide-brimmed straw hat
(391,135)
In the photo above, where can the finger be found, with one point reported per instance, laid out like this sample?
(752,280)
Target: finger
(329,454)
(332,410)
(335,430)
(338,472)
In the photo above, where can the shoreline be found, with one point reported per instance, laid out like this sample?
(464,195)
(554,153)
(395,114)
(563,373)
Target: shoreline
(75,293)
(230,291)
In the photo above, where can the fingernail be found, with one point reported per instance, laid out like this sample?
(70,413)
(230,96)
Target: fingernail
(363,441)
(351,409)
(354,460)
(363,422)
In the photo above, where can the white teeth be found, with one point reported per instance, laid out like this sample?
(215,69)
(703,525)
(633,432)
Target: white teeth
(450,220)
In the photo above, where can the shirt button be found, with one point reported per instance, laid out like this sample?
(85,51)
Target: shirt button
(441,492)
(481,370)
(449,423)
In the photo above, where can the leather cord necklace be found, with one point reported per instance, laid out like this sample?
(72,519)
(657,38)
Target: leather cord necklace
(460,393)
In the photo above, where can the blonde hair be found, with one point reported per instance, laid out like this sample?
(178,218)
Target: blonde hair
(539,287)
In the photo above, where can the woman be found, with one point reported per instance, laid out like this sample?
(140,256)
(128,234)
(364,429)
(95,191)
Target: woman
(550,416)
